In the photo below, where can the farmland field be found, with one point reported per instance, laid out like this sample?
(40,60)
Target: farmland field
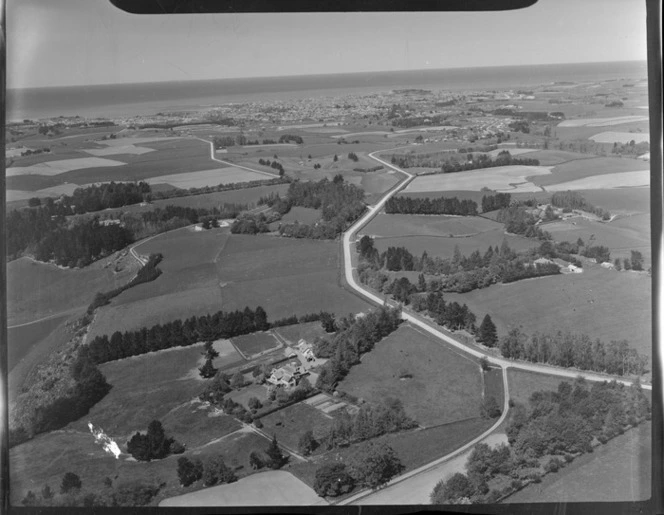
(592,303)
(620,137)
(620,235)
(601,122)
(214,177)
(304,215)
(582,168)
(554,157)
(21,339)
(255,343)
(436,384)
(62,166)
(619,470)
(443,246)
(387,225)
(511,179)
(625,200)
(309,331)
(523,383)
(606,181)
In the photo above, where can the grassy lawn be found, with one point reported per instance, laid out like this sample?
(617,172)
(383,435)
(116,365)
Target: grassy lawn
(444,386)
(243,395)
(308,331)
(291,423)
(493,385)
(619,470)
(255,343)
(304,215)
(601,303)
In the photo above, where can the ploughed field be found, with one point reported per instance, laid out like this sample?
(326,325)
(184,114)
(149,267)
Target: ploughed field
(208,271)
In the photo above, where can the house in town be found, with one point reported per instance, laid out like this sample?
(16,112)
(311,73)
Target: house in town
(286,376)
(306,349)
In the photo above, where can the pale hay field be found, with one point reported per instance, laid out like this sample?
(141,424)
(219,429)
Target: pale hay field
(608,181)
(602,122)
(124,149)
(511,178)
(620,137)
(273,488)
(209,178)
(122,142)
(512,151)
(51,168)
(55,191)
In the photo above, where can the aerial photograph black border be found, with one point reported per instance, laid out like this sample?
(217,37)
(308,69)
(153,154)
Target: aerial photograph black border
(175,7)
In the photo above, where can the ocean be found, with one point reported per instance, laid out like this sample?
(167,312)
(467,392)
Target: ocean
(119,100)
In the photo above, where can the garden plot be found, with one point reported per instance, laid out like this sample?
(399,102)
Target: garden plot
(511,179)
(65,165)
(620,137)
(608,181)
(602,122)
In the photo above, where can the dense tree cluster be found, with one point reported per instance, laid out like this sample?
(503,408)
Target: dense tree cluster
(288,138)
(518,220)
(273,164)
(374,464)
(497,201)
(520,126)
(80,244)
(353,156)
(153,445)
(599,253)
(251,224)
(504,158)
(332,480)
(555,427)
(340,203)
(176,193)
(368,170)
(369,422)
(632,148)
(427,206)
(351,341)
(565,349)
(178,334)
(212,471)
(572,200)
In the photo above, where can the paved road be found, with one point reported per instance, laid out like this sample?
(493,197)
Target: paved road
(409,488)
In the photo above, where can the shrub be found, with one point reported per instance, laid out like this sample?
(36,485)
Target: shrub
(332,480)
(70,481)
(135,494)
(189,471)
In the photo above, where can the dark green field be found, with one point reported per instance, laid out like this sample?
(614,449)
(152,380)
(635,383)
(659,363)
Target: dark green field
(581,168)
(291,423)
(255,343)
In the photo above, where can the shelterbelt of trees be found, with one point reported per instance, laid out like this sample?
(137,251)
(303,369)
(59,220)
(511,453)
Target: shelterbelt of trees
(451,165)
(427,206)
(340,203)
(554,429)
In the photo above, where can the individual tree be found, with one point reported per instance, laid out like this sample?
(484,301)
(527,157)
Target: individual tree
(256,461)
(627,264)
(207,371)
(487,332)
(274,454)
(637,260)
(307,443)
(30,499)
(210,351)
(484,363)
(328,322)
(46,492)
(335,158)
(374,464)
(332,480)
(237,381)
(421,283)
(34,202)
(189,471)
(490,408)
(617,264)
(452,491)
(70,481)
(254,403)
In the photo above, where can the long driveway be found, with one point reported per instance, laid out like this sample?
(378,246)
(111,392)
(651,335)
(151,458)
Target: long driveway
(409,488)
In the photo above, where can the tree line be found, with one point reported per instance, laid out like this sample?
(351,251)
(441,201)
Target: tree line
(544,436)
(497,201)
(504,158)
(428,206)
(568,350)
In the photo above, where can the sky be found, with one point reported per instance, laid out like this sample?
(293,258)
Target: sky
(81,42)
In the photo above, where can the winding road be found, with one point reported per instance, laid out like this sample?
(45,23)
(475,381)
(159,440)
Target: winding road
(407,488)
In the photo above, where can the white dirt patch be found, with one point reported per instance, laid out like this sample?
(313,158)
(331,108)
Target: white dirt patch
(124,149)
(324,130)
(607,181)
(602,122)
(273,488)
(620,137)
(51,168)
(208,178)
(511,178)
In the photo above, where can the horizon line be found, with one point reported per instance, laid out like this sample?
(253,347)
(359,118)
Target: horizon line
(102,84)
